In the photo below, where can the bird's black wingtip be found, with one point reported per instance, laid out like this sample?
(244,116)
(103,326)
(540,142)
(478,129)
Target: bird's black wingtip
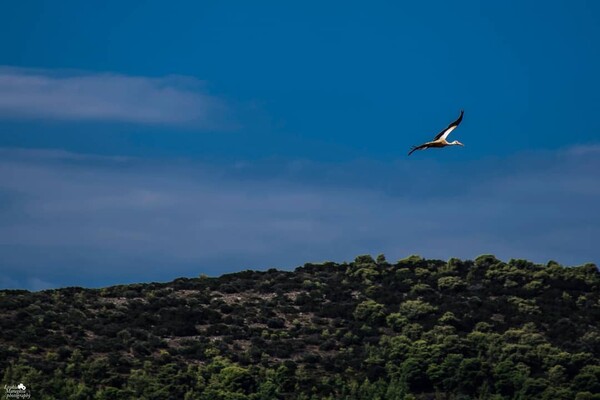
(459,119)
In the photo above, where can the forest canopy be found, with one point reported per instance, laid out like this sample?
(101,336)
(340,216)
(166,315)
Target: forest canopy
(368,329)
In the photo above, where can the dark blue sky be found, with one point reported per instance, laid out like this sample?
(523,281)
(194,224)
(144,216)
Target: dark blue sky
(145,141)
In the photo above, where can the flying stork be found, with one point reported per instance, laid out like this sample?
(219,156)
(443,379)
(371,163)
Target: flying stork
(440,139)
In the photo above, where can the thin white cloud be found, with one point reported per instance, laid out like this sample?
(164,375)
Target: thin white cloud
(36,284)
(584,149)
(111,219)
(81,96)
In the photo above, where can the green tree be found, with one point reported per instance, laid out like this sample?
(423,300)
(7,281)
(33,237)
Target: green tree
(369,311)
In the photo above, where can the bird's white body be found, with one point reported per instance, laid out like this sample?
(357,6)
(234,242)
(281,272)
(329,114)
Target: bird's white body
(440,138)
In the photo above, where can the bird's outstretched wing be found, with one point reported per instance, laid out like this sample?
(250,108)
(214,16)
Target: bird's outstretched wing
(444,134)
(420,147)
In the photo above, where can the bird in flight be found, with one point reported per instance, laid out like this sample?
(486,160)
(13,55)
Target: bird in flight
(440,139)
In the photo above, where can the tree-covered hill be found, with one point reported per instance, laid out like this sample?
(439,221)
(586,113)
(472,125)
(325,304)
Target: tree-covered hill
(415,329)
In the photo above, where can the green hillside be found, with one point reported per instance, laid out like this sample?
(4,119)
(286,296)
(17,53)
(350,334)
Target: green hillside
(415,329)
